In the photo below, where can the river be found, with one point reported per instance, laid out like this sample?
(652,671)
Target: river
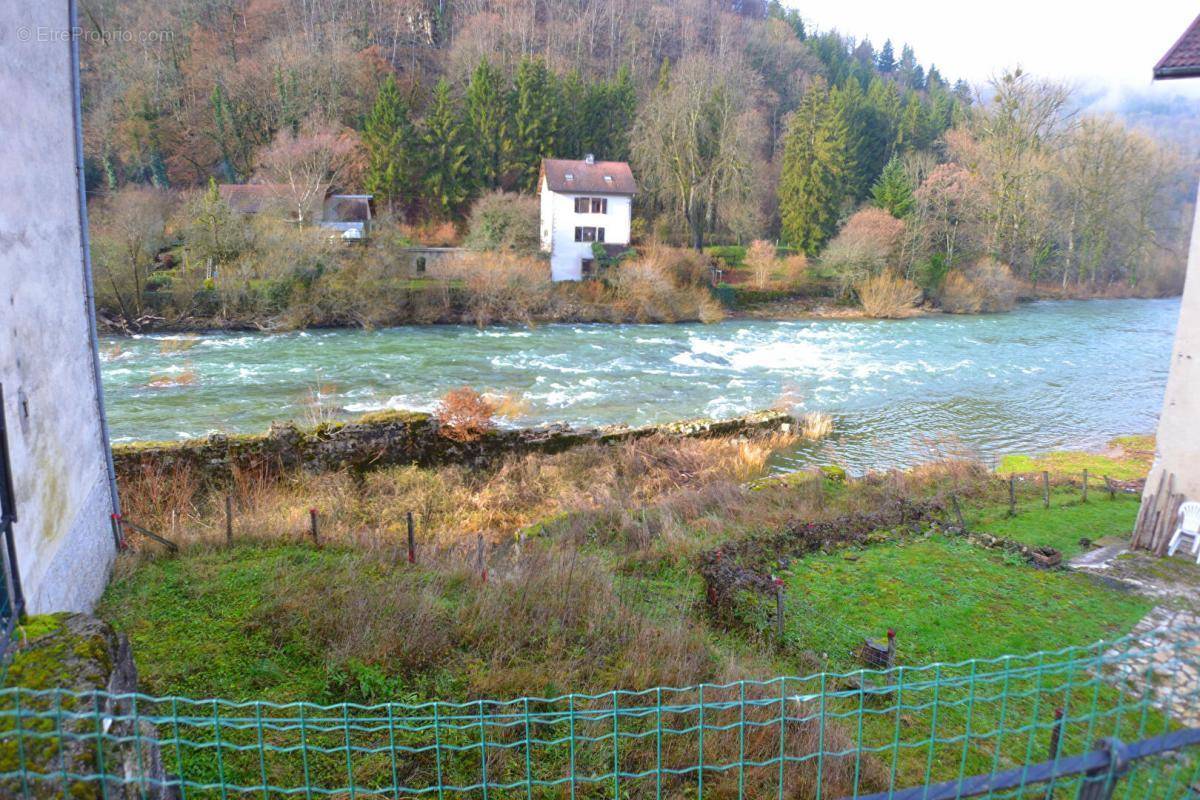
(1049,375)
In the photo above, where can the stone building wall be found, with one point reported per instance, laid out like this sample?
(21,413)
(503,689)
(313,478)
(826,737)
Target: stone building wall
(52,403)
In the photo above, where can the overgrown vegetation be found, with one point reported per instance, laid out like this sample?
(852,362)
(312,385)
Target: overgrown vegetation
(591,583)
(862,160)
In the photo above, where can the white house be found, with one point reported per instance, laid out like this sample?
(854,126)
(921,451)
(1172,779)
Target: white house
(583,202)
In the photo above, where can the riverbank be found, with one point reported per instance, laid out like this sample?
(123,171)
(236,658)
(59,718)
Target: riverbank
(590,578)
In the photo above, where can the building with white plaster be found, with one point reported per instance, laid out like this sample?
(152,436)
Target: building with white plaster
(1175,476)
(584,203)
(62,491)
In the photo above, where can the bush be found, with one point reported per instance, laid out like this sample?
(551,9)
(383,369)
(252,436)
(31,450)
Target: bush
(863,247)
(503,286)
(760,258)
(504,221)
(986,286)
(888,296)
(465,415)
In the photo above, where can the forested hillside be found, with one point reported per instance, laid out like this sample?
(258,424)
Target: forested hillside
(743,121)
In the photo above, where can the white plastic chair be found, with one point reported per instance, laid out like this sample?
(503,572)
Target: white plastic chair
(1188,528)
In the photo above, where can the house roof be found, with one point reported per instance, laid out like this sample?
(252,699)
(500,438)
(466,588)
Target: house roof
(580,177)
(347,208)
(1183,59)
(251,198)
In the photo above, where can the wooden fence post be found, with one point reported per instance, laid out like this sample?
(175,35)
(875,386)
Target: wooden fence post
(1056,734)
(229,520)
(1112,489)
(412,539)
(1085,483)
(1012,495)
(962,523)
(480,564)
(312,519)
(1045,489)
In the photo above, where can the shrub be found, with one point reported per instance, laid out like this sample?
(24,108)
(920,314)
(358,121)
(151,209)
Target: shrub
(760,258)
(503,221)
(863,247)
(888,296)
(465,415)
(503,286)
(984,287)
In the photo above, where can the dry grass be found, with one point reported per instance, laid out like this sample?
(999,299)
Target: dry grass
(655,288)
(986,286)
(636,492)
(816,425)
(317,410)
(510,405)
(888,296)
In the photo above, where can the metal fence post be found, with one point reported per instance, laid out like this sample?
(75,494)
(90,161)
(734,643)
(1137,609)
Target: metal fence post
(1099,783)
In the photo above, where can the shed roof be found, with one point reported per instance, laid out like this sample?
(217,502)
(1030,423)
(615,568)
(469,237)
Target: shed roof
(580,177)
(347,208)
(1183,59)
(251,198)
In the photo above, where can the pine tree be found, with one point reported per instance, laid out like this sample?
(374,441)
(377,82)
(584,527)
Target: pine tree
(488,118)
(816,171)
(621,114)
(570,134)
(893,192)
(885,62)
(534,121)
(913,132)
(851,101)
(447,182)
(882,112)
(389,139)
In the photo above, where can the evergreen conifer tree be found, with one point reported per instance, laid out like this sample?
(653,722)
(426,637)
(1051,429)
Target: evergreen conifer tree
(533,121)
(893,192)
(390,144)
(447,182)
(816,171)
(488,118)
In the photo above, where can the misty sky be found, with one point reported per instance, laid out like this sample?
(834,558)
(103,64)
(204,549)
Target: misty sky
(1091,44)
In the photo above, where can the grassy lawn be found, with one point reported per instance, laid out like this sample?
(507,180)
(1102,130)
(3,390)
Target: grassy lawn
(1127,458)
(952,601)
(1065,522)
(948,601)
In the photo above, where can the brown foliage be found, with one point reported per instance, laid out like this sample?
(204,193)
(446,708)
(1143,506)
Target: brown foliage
(984,287)
(888,296)
(864,246)
(465,415)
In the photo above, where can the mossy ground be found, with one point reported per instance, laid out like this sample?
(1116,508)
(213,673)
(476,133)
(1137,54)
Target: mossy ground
(1126,458)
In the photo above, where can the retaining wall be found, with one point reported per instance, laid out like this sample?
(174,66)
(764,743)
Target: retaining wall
(395,437)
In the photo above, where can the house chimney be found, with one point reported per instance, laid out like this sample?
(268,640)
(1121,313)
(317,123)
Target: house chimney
(589,159)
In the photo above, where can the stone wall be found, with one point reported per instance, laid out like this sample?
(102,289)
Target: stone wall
(93,670)
(388,438)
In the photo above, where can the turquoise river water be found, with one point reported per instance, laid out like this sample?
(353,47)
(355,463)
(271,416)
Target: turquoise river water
(1051,374)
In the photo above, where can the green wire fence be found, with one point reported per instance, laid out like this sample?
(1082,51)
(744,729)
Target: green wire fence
(820,736)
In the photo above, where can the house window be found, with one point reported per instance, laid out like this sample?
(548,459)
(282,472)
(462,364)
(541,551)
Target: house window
(582,204)
(588,234)
(420,265)
(599,234)
(599,205)
(589,267)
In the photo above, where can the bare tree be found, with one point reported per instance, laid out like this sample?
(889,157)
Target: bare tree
(697,138)
(302,166)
